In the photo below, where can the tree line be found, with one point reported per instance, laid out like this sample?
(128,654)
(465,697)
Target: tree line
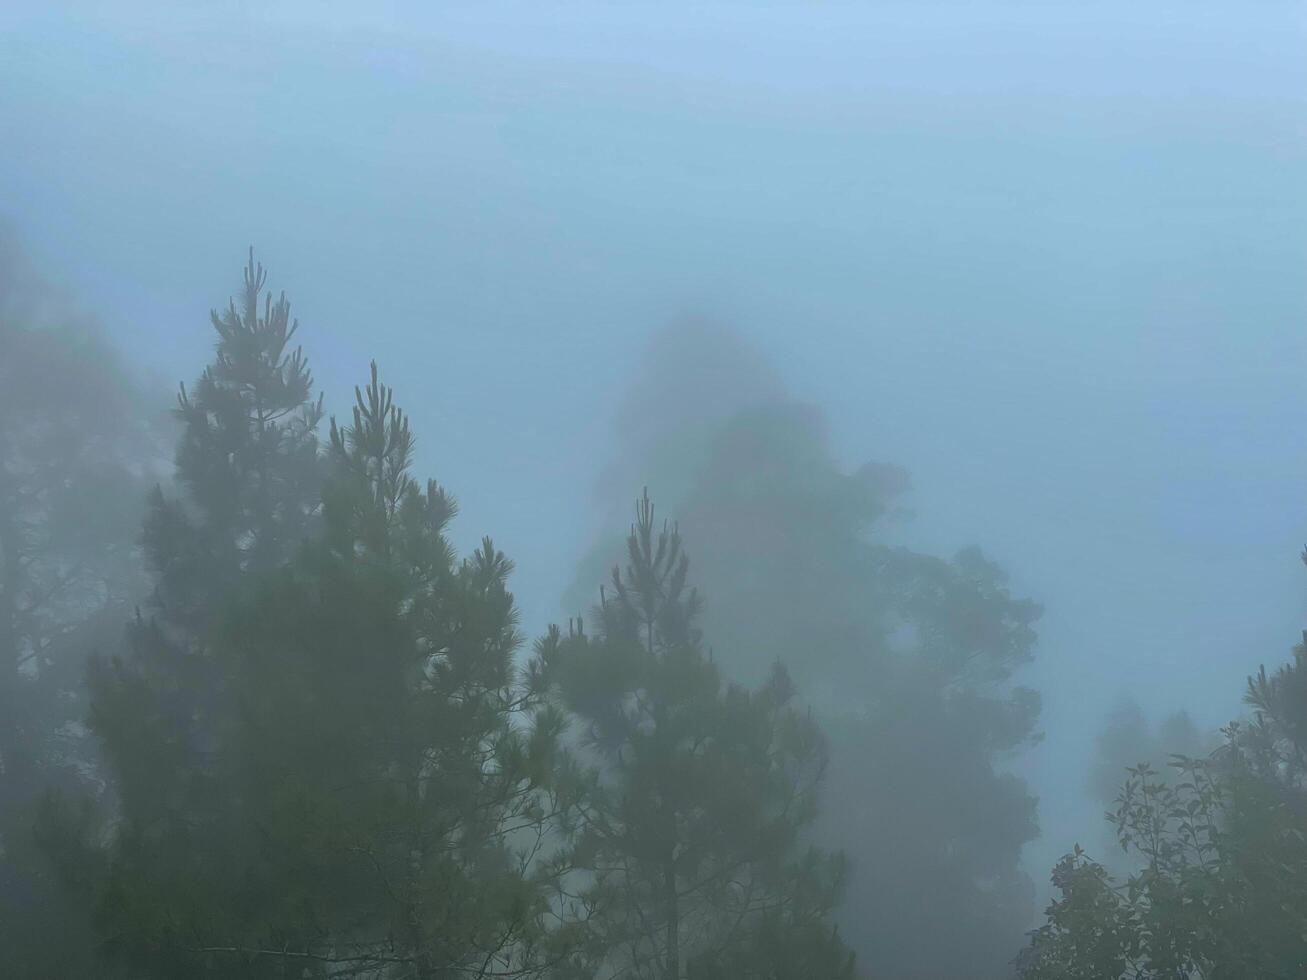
(259,719)
(321,755)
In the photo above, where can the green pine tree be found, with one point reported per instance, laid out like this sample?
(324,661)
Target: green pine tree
(692,837)
(248,463)
(248,490)
(250,484)
(911,661)
(382,781)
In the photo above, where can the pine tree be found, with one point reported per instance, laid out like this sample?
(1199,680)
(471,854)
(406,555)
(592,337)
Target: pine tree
(692,836)
(248,462)
(1275,741)
(383,780)
(250,482)
(910,660)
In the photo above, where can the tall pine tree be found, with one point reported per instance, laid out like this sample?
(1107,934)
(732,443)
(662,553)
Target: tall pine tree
(692,837)
(249,483)
(908,659)
(381,780)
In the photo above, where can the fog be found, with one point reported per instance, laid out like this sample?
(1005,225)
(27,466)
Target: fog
(1042,264)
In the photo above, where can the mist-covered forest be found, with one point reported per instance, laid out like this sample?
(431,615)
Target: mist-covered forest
(686,492)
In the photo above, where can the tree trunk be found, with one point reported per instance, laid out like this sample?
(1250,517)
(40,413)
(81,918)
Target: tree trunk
(673,911)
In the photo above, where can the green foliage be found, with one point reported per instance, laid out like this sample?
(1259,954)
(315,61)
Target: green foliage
(775,947)
(248,461)
(379,783)
(1127,738)
(691,837)
(908,659)
(1222,845)
(249,482)
(1276,740)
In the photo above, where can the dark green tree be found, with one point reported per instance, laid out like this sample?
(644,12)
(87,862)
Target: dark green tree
(1221,892)
(1220,847)
(248,485)
(249,481)
(692,836)
(382,780)
(248,464)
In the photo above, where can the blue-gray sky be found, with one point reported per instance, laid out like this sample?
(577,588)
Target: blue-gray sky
(1048,256)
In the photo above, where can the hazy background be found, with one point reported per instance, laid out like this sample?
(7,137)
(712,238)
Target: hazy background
(1048,257)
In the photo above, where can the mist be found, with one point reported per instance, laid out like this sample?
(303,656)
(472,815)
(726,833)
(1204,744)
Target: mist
(960,343)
